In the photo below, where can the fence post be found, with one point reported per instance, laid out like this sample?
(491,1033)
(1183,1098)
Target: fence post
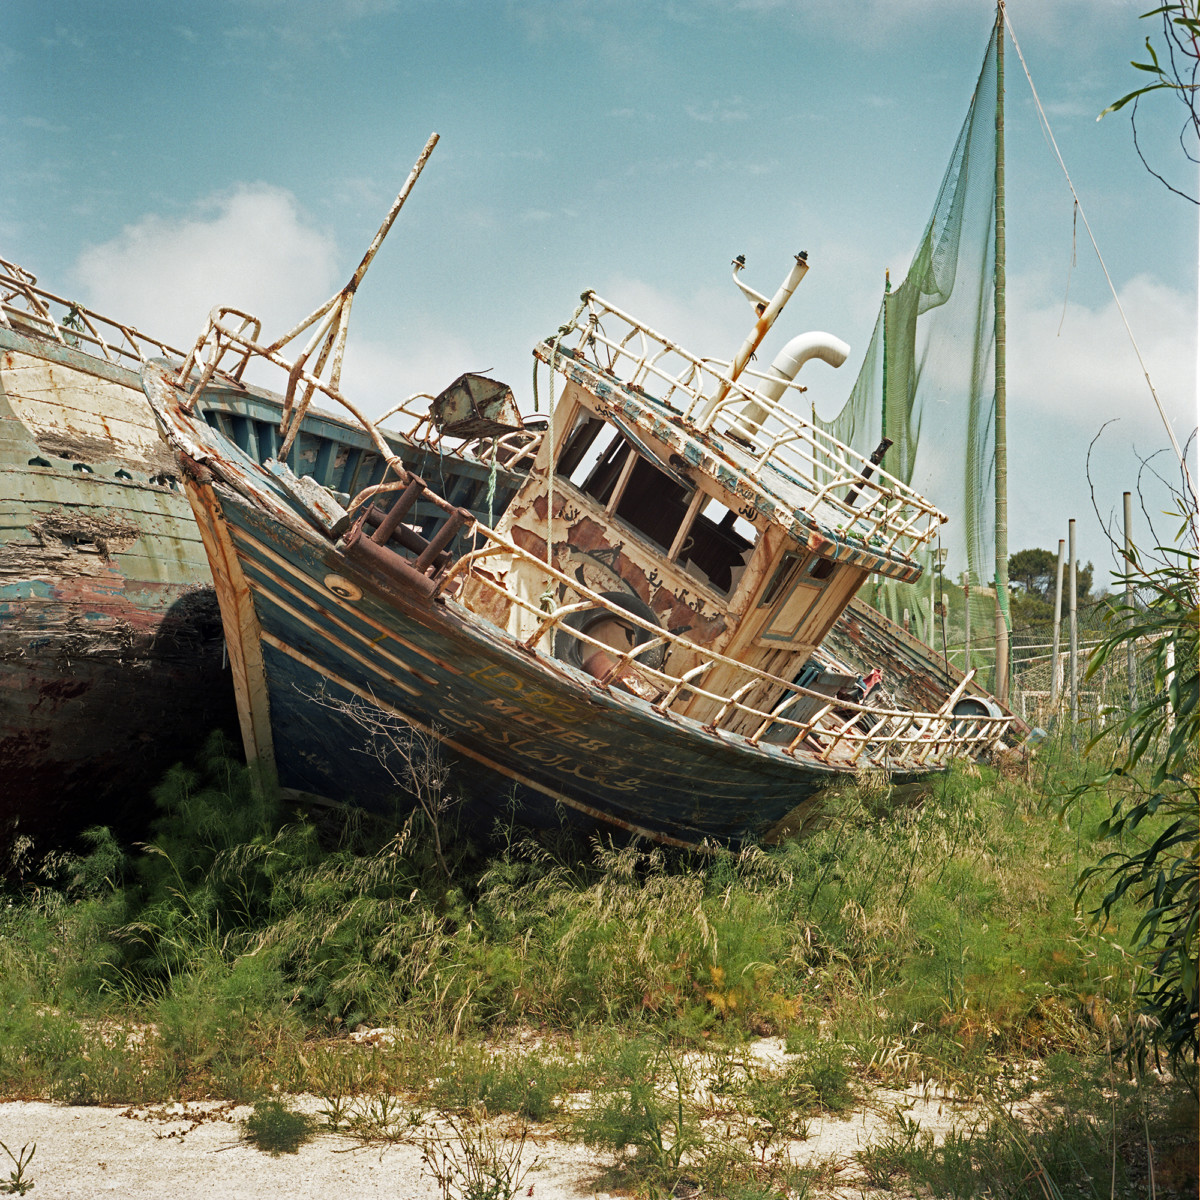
(1056,662)
(1074,629)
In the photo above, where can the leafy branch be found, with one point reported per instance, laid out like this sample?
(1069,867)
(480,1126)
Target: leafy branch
(1153,778)
(1176,72)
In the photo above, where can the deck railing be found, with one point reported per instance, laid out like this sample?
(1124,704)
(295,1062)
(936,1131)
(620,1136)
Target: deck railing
(839,732)
(27,308)
(871,504)
(230,342)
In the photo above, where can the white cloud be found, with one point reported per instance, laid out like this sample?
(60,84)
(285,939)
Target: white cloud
(43,126)
(733,109)
(250,248)
(705,322)
(1088,373)
(378,375)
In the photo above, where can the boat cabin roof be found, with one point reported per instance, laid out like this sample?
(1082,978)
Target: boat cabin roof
(827,498)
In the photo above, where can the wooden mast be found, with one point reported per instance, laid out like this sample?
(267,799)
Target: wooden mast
(1002,646)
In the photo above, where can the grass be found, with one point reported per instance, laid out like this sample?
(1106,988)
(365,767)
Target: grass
(611,992)
(18,1182)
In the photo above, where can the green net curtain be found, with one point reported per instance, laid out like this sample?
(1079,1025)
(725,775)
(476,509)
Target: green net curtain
(928,383)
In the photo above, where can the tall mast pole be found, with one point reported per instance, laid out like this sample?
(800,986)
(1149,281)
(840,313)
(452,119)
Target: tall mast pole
(1002,650)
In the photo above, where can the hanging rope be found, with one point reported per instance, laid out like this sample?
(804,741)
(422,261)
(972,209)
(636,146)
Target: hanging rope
(1100,257)
(491,491)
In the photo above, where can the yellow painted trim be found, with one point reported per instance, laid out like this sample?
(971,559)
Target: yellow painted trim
(242,631)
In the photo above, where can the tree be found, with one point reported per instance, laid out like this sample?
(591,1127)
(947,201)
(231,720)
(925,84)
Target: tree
(1034,570)
(1037,572)
(1175,71)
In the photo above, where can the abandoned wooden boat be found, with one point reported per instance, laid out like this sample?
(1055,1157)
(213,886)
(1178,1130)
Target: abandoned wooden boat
(112,662)
(634,643)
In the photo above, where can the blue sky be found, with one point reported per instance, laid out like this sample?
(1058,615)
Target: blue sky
(161,158)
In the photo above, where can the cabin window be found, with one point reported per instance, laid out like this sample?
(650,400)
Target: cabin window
(788,567)
(708,540)
(574,461)
(814,568)
(653,503)
(716,545)
(593,463)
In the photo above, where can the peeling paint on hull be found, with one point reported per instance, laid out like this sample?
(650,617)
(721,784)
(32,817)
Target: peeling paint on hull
(111,651)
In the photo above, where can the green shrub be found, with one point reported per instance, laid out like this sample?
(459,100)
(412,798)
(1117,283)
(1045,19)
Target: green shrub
(645,1106)
(276,1129)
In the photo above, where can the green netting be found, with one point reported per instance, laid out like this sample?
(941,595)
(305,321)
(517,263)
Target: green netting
(928,383)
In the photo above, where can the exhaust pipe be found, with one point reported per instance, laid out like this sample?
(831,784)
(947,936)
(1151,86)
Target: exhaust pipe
(783,370)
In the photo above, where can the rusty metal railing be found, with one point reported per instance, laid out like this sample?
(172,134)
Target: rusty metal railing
(27,308)
(839,732)
(872,505)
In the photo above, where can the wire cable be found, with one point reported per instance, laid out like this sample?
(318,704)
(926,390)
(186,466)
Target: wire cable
(1100,257)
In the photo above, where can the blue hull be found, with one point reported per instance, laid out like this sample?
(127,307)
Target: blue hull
(522,728)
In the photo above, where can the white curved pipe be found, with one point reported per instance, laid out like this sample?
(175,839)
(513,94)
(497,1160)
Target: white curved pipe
(815,344)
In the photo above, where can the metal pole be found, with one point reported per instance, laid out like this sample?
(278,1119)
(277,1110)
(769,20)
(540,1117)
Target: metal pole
(762,324)
(967,617)
(1073,627)
(932,595)
(1056,669)
(1002,650)
(1130,658)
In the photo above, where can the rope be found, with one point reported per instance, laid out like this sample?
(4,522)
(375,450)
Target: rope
(491,491)
(1103,266)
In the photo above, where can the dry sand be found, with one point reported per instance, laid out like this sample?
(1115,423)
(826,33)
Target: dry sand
(196,1152)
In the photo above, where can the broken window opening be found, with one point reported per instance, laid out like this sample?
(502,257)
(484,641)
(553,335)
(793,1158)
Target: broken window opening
(597,475)
(718,545)
(710,541)
(653,503)
(574,462)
